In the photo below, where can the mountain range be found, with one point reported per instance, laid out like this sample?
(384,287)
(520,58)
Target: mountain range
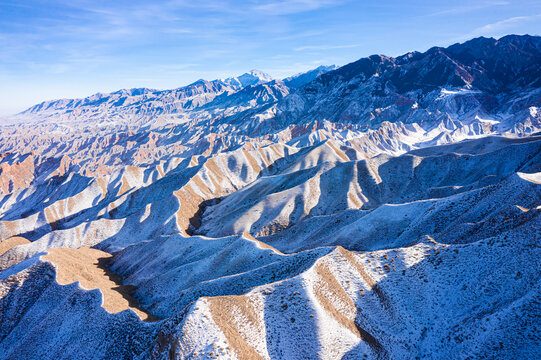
(388,208)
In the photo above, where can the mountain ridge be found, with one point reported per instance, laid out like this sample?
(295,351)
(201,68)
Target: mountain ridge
(469,83)
(389,208)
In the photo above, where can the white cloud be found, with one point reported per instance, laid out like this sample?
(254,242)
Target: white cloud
(500,27)
(294,6)
(325,47)
(301,35)
(505,24)
(469,8)
(178,31)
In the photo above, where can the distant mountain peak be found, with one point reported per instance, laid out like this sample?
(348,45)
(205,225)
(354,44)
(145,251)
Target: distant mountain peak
(481,73)
(305,77)
(252,77)
(260,74)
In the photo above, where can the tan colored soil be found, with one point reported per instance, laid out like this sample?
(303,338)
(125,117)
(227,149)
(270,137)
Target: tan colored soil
(89,267)
(225,312)
(12,242)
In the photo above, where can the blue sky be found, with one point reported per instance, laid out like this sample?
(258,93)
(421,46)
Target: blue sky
(67,48)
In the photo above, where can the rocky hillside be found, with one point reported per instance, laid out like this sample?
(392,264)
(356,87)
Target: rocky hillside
(386,209)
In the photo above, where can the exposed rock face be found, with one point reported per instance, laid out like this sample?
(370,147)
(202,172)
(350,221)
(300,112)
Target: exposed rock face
(389,208)
(477,82)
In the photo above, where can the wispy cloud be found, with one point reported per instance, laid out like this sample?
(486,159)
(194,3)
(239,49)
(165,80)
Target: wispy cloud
(505,24)
(476,6)
(67,48)
(178,31)
(301,35)
(289,69)
(176,67)
(55,69)
(325,47)
(287,7)
(499,27)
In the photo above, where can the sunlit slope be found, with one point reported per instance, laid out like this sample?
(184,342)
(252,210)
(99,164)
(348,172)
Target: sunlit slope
(310,199)
(428,300)
(315,251)
(131,205)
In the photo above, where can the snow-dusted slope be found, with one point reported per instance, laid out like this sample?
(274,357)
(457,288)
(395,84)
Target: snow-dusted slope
(243,297)
(411,184)
(387,209)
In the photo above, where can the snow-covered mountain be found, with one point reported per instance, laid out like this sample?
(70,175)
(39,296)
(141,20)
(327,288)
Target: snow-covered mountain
(489,83)
(253,77)
(141,103)
(298,80)
(389,208)
(486,82)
